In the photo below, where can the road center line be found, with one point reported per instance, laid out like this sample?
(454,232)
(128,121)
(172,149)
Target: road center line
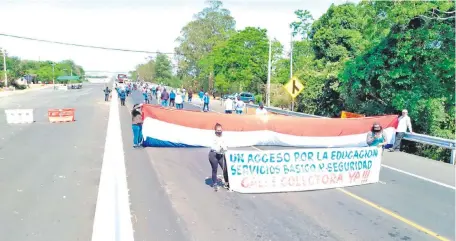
(112,220)
(394,215)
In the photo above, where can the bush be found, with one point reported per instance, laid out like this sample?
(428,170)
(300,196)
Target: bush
(258,98)
(18,86)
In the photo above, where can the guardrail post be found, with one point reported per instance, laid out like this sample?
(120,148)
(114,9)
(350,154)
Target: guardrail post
(453,156)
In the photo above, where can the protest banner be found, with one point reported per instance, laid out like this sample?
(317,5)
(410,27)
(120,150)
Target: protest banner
(302,169)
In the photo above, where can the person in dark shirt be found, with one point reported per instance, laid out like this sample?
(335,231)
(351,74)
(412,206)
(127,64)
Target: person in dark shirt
(164,98)
(107,91)
(190,95)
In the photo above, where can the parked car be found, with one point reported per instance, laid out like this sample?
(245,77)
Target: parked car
(247,97)
(231,96)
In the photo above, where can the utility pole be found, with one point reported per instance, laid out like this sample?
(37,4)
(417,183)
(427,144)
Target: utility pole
(291,65)
(53,76)
(268,91)
(71,72)
(4,68)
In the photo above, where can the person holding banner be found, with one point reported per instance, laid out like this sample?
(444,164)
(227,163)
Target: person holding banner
(376,137)
(136,126)
(217,157)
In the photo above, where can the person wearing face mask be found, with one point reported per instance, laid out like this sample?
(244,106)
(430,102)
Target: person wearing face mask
(376,137)
(217,157)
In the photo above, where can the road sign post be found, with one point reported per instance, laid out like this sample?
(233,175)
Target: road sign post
(294,87)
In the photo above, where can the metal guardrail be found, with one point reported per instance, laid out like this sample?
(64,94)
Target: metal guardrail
(434,141)
(420,138)
(286,112)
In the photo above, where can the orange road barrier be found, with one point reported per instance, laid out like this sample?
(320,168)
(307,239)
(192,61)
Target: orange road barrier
(61,115)
(346,114)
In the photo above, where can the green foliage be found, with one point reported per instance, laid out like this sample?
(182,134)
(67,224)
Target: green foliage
(258,98)
(241,60)
(413,68)
(374,57)
(211,26)
(42,70)
(303,26)
(158,70)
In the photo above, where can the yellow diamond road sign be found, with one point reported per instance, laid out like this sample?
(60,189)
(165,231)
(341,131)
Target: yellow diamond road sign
(294,87)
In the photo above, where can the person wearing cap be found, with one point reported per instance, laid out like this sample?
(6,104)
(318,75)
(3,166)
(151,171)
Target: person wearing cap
(261,110)
(137,125)
(217,157)
(376,137)
(404,123)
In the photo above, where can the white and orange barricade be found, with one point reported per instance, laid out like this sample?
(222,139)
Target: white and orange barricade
(61,115)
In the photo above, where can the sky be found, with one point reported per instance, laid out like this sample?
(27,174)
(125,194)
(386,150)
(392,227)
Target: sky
(150,25)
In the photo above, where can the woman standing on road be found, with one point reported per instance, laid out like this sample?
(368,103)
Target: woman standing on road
(179,101)
(217,157)
(136,126)
(376,137)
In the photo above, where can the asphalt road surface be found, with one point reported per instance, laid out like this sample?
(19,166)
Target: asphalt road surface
(49,177)
(49,172)
(171,200)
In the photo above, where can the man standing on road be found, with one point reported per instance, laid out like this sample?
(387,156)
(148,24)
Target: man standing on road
(229,106)
(190,95)
(201,95)
(164,98)
(404,124)
(122,97)
(107,91)
(239,105)
(206,102)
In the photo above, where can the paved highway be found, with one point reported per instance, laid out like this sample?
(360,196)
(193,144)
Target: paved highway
(400,207)
(49,172)
(49,177)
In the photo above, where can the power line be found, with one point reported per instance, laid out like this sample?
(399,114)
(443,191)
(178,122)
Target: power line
(84,46)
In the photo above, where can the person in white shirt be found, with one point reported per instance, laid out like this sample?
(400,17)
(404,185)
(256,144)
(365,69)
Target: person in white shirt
(239,105)
(261,110)
(158,96)
(217,157)
(404,123)
(179,101)
(229,105)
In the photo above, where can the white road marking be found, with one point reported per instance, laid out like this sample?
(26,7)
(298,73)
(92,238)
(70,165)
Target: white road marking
(420,177)
(112,215)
